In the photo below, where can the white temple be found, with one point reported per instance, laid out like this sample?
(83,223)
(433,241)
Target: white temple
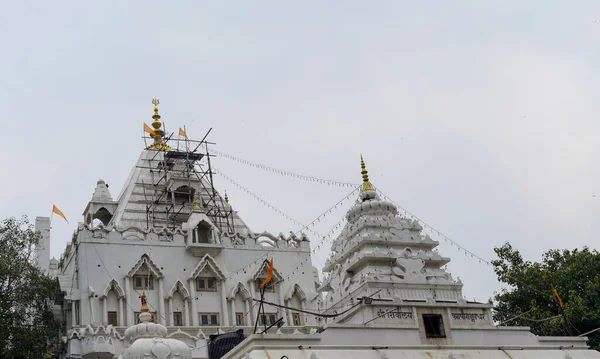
(172,240)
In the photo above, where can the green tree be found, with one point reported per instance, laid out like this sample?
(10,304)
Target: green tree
(27,324)
(576,276)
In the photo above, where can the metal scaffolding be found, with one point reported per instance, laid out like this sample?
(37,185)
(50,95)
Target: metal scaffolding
(179,178)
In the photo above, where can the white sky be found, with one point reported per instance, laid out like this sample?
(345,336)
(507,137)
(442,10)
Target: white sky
(478,116)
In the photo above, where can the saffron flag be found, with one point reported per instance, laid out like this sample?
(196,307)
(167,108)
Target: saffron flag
(149,130)
(560,303)
(269,274)
(59,212)
(182,133)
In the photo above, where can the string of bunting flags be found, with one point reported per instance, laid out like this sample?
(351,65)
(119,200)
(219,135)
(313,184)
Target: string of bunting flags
(327,237)
(284,172)
(280,212)
(337,183)
(433,230)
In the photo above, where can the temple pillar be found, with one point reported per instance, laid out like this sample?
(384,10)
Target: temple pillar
(104,310)
(289,317)
(193,300)
(224,304)
(234,315)
(171,312)
(252,294)
(161,303)
(121,313)
(247,307)
(279,288)
(128,309)
(73,314)
(186,312)
(92,314)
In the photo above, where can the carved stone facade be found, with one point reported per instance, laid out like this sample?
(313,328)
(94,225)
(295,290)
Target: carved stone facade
(195,285)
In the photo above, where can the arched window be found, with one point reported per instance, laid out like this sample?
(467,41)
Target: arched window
(202,233)
(103,215)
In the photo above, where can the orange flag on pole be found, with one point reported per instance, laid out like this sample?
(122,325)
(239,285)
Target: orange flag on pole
(560,303)
(59,212)
(182,133)
(149,130)
(269,274)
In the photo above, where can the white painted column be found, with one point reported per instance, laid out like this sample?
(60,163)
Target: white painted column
(128,299)
(289,317)
(279,288)
(171,311)
(121,312)
(193,300)
(186,313)
(252,294)
(233,314)
(105,311)
(92,316)
(247,306)
(161,303)
(303,315)
(224,304)
(73,314)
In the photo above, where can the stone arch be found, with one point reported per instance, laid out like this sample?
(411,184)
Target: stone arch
(240,288)
(209,261)
(113,285)
(178,286)
(103,215)
(153,268)
(263,268)
(296,290)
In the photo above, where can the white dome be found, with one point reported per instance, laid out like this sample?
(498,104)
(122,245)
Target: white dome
(161,348)
(148,340)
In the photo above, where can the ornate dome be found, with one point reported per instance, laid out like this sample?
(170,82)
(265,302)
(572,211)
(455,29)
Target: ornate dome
(148,340)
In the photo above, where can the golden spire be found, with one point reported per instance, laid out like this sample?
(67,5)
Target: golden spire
(158,131)
(144,302)
(226,198)
(367,186)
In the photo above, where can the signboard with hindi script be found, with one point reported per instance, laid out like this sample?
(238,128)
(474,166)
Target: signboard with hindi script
(393,315)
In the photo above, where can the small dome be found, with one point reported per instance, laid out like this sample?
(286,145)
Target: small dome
(158,348)
(148,340)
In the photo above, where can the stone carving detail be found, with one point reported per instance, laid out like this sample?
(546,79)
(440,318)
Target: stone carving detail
(165,235)
(378,246)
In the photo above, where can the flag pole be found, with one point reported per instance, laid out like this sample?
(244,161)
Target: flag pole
(187,145)
(51,216)
(261,305)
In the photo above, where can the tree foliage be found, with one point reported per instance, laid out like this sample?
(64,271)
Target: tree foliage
(576,276)
(27,324)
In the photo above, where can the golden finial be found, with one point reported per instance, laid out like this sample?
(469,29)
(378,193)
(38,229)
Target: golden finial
(144,302)
(226,198)
(367,186)
(158,131)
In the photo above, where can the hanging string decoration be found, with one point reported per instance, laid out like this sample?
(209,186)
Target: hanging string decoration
(432,230)
(284,172)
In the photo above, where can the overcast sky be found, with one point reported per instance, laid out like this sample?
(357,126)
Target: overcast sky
(481,117)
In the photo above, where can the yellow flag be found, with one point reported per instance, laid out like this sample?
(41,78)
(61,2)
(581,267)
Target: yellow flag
(557,296)
(59,212)
(149,130)
(269,274)
(182,133)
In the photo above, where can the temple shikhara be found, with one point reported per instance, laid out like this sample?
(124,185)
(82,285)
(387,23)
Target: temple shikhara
(168,269)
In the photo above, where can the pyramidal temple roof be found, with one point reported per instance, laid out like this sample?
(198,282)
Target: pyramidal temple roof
(382,249)
(164,187)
